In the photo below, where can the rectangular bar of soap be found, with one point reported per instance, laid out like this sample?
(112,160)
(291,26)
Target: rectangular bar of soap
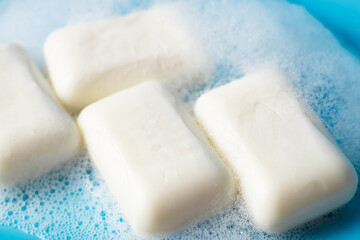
(160,168)
(89,61)
(290,171)
(35,131)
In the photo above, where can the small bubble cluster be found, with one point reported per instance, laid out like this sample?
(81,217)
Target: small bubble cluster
(66,203)
(73,202)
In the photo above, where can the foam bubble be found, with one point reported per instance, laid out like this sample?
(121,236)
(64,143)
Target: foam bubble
(73,202)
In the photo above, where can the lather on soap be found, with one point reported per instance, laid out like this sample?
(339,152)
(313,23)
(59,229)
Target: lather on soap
(35,131)
(290,170)
(89,61)
(161,170)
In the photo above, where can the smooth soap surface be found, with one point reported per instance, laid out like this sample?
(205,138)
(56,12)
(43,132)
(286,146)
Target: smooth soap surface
(290,170)
(36,133)
(89,61)
(159,167)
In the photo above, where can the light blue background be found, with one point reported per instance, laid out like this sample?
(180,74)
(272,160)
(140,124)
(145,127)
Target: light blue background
(342,17)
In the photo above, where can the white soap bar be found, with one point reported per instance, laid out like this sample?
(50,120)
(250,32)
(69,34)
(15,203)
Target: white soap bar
(35,131)
(89,61)
(290,171)
(155,161)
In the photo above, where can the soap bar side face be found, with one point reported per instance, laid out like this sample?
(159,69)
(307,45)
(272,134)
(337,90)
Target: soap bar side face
(36,132)
(89,61)
(289,171)
(162,174)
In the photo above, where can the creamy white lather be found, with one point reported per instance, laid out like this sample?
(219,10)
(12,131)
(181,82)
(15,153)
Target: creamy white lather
(290,170)
(89,61)
(159,167)
(35,131)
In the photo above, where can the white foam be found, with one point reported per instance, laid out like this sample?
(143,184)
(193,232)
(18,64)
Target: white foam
(242,36)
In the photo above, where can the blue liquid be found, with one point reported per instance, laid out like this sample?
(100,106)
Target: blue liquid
(7,233)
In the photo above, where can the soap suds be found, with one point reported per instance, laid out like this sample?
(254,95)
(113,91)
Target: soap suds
(72,202)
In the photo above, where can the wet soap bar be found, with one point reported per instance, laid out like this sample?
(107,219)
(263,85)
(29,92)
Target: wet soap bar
(92,60)
(290,171)
(35,131)
(159,167)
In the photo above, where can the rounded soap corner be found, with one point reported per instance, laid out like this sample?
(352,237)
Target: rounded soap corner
(82,114)
(354,182)
(142,222)
(52,35)
(199,102)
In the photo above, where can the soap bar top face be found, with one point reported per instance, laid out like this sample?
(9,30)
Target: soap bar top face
(35,131)
(155,161)
(89,61)
(289,169)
